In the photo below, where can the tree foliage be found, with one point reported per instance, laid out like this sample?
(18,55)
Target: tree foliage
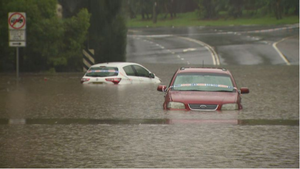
(107,33)
(52,43)
(166,8)
(209,9)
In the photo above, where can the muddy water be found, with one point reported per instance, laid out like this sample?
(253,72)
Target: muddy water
(54,121)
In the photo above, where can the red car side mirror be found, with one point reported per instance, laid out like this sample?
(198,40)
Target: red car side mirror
(161,88)
(244,90)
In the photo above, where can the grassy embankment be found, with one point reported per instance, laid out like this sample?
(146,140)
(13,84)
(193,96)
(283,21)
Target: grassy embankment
(190,19)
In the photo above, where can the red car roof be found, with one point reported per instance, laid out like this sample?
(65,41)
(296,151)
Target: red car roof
(204,70)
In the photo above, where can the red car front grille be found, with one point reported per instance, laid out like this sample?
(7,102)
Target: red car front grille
(207,107)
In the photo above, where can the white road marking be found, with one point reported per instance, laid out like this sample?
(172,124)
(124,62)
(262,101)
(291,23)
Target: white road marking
(189,49)
(214,54)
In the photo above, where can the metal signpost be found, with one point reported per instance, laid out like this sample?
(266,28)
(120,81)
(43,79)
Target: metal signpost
(17,33)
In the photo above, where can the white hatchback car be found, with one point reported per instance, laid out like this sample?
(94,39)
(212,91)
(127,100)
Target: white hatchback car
(118,73)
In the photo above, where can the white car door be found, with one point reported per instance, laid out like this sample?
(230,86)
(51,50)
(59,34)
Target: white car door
(130,75)
(143,74)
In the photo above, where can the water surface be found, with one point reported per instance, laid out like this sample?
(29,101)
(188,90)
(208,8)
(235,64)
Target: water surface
(54,121)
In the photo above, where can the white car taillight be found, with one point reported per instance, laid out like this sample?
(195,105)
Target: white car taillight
(85,80)
(114,80)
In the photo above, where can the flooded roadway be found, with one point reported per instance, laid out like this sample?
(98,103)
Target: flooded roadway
(54,121)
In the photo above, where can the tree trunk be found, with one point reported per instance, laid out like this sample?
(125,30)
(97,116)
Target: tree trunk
(154,12)
(278,11)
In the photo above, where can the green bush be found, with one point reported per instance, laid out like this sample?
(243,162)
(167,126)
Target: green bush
(52,43)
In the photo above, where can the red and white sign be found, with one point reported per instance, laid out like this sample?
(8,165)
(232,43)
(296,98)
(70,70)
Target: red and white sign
(17,29)
(17,20)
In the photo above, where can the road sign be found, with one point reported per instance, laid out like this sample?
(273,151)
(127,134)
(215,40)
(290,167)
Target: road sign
(17,35)
(17,20)
(17,44)
(17,29)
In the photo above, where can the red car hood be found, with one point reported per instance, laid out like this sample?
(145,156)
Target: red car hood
(203,97)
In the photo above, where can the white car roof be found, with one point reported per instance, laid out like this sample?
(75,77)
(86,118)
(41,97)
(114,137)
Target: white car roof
(115,64)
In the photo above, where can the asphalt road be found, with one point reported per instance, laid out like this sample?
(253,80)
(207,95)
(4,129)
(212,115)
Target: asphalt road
(234,45)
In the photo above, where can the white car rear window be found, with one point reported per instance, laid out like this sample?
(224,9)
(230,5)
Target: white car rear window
(102,71)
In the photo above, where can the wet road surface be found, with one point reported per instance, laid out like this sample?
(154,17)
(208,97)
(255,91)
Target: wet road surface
(233,45)
(54,121)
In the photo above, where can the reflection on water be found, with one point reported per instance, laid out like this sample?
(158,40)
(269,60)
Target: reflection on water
(150,121)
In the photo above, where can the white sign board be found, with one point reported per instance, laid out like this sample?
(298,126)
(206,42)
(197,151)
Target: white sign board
(17,44)
(17,29)
(17,35)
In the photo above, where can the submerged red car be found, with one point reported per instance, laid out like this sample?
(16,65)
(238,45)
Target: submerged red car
(203,89)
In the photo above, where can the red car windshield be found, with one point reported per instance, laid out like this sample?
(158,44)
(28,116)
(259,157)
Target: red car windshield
(102,71)
(203,82)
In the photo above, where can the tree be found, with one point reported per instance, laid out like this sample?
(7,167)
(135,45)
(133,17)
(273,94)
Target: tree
(154,15)
(168,7)
(236,8)
(52,43)
(291,6)
(276,7)
(76,29)
(145,8)
(108,32)
(207,9)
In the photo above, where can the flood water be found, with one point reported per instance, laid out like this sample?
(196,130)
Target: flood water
(54,121)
